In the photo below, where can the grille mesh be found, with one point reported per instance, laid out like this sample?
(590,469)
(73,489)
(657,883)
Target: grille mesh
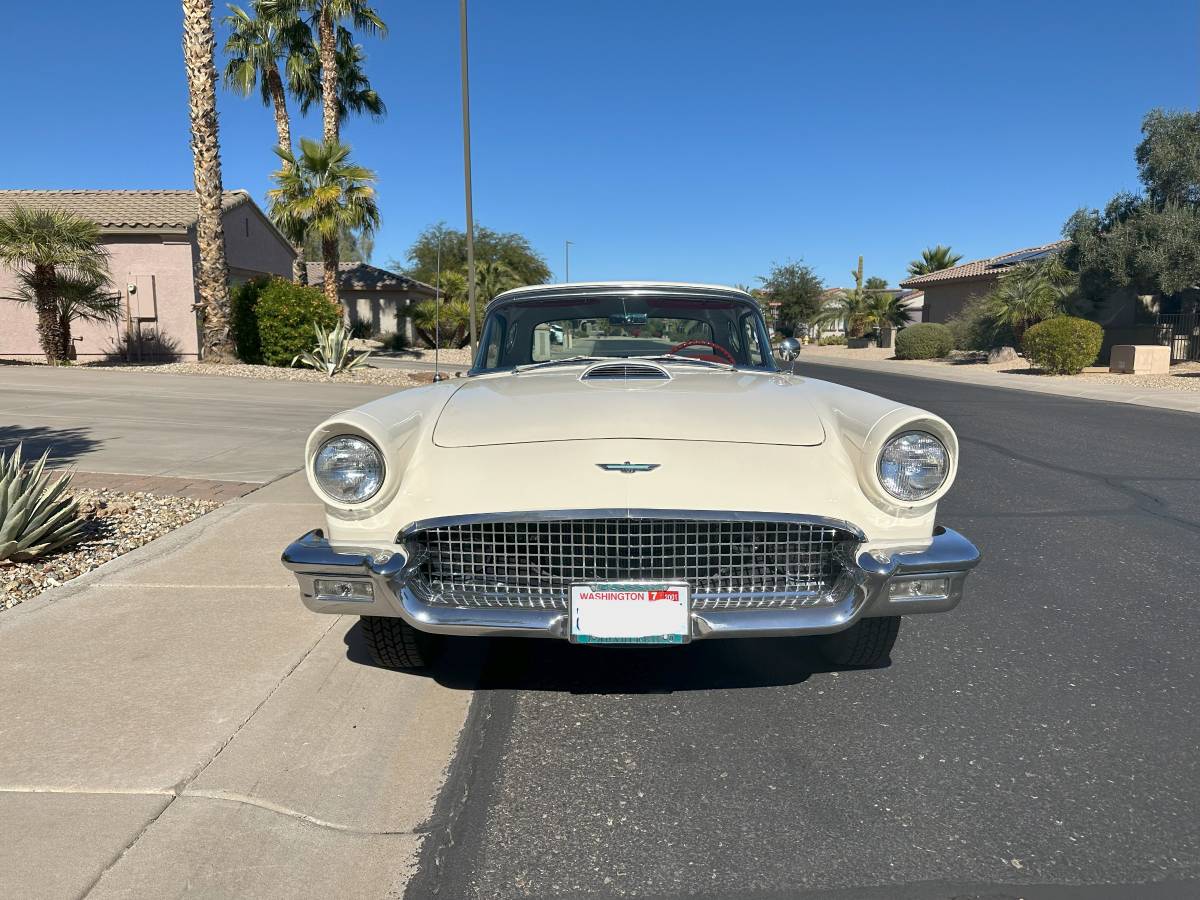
(729,565)
(625,371)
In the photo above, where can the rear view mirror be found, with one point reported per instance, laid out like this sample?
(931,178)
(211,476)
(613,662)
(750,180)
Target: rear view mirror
(629,319)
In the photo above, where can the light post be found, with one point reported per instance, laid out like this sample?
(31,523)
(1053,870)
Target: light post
(567,260)
(466,112)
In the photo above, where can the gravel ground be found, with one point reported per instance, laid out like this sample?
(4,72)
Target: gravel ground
(1183,376)
(394,377)
(450,357)
(117,523)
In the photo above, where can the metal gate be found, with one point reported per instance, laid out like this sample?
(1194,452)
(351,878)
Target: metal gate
(1183,333)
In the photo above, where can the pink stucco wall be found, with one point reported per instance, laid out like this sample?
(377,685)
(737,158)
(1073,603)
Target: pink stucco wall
(252,246)
(162,268)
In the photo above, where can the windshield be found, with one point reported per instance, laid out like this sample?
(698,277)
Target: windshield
(576,329)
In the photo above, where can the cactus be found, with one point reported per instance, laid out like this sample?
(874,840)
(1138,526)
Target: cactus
(332,353)
(35,515)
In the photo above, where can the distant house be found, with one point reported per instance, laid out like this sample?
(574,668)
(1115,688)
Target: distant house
(382,299)
(947,291)
(150,237)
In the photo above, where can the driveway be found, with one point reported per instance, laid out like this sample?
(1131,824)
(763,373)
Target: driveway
(1037,742)
(218,428)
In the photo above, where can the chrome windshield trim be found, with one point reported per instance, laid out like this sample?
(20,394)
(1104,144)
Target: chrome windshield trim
(544,515)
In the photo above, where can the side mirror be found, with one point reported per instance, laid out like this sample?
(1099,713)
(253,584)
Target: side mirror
(789,349)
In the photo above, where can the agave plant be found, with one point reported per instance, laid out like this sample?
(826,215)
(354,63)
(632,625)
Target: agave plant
(35,515)
(332,354)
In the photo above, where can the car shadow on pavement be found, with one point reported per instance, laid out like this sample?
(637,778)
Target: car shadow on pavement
(484,664)
(66,445)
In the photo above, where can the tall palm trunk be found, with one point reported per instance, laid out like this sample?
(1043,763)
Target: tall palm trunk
(329,74)
(329,253)
(283,130)
(212,276)
(49,325)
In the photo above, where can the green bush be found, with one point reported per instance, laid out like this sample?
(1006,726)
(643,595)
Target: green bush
(286,315)
(832,340)
(394,341)
(1063,345)
(974,327)
(928,340)
(243,300)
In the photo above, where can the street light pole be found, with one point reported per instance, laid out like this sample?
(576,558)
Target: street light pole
(567,260)
(466,113)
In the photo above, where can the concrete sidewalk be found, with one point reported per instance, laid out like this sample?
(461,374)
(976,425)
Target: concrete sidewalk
(176,723)
(1180,401)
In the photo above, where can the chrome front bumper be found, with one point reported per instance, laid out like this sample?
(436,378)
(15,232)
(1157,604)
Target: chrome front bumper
(313,559)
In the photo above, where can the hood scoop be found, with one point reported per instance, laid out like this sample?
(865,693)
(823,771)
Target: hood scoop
(624,371)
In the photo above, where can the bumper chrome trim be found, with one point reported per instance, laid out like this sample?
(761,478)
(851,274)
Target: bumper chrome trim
(947,555)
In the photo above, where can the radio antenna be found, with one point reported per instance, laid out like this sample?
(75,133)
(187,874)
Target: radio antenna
(437,312)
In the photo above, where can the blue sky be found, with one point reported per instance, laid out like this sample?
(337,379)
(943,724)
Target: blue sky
(667,139)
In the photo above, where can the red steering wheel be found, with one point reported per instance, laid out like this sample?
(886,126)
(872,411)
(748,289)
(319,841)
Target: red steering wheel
(707,356)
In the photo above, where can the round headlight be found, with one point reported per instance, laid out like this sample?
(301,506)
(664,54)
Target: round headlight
(913,465)
(349,469)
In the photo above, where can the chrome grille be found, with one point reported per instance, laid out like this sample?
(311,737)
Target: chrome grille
(728,564)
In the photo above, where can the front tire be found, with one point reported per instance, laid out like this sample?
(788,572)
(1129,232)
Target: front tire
(867,643)
(394,644)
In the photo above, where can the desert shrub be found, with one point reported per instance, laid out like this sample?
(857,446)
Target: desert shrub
(361,330)
(143,346)
(832,340)
(394,341)
(243,301)
(286,314)
(928,340)
(1063,345)
(39,516)
(975,327)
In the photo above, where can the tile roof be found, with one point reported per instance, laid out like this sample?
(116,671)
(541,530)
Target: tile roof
(119,211)
(357,276)
(979,268)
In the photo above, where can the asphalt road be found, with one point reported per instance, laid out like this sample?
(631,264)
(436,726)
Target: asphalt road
(1040,741)
(197,426)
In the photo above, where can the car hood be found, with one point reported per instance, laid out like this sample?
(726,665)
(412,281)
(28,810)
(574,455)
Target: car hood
(693,405)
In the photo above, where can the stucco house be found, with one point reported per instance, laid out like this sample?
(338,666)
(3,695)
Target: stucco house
(947,291)
(382,299)
(150,237)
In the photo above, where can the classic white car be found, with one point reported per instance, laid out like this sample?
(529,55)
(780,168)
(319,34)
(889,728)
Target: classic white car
(652,478)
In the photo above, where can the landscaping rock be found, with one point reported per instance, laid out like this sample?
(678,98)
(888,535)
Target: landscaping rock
(1002,355)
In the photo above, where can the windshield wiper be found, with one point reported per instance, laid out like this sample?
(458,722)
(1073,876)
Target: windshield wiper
(676,357)
(556,362)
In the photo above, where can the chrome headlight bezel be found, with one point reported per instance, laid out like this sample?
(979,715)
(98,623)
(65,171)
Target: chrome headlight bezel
(893,482)
(374,480)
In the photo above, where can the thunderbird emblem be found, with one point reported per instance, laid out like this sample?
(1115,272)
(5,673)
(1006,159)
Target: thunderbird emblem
(629,468)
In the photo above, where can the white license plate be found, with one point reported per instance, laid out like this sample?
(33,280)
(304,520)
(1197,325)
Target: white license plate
(630,613)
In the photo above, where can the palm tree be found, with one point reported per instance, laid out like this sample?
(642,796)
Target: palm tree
(324,18)
(885,310)
(354,91)
(933,259)
(43,247)
(492,278)
(258,41)
(322,192)
(78,298)
(851,309)
(212,275)
(1025,297)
